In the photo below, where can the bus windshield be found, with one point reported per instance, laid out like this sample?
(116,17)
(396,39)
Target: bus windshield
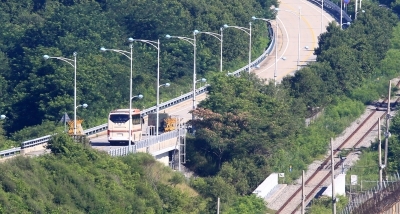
(123,118)
(119,118)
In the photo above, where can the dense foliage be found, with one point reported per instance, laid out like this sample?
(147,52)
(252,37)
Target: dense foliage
(366,168)
(33,90)
(81,180)
(247,130)
(78,179)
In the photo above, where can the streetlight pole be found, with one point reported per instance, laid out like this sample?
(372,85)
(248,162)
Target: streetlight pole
(222,36)
(72,62)
(193,42)
(276,49)
(322,12)
(130,57)
(246,30)
(298,43)
(341,14)
(217,36)
(155,44)
(158,103)
(275,45)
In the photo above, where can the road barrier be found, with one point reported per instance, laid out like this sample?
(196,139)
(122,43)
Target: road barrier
(122,151)
(333,10)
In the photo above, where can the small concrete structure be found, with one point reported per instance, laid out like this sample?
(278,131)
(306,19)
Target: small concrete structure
(267,185)
(161,150)
(340,186)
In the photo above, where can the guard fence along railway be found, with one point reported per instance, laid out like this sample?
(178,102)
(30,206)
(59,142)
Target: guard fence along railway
(317,179)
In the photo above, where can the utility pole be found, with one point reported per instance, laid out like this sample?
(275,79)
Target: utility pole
(341,14)
(218,206)
(333,180)
(322,14)
(380,153)
(387,124)
(355,10)
(302,193)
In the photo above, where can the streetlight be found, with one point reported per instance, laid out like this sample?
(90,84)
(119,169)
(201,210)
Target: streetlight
(72,62)
(298,44)
(83,105)
(2,117)
(275,45)
(158,103)
(130,57)
(139,96)
(355,14)
(201,80)
(193,42)
(246,30)
(347,23)
(219,37)
(155,44)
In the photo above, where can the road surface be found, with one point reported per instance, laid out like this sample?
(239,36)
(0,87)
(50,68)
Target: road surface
(288,54)
(181,111)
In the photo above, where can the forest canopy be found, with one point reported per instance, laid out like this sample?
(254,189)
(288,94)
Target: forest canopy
(34,90)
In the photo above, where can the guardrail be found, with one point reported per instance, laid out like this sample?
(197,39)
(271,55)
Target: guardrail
(122,151)
(332,9)
(177,100)
(41,140)
(10,152)
(260,58)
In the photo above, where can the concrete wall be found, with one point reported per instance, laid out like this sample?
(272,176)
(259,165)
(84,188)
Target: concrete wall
(163,158)
(97,134)
(161,147)
(340,184)
(267,185)
(160,151)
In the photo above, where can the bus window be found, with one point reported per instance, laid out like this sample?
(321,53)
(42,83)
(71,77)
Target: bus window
(119,118)
(136,119)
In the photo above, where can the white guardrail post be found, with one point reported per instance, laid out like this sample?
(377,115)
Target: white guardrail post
(169,103)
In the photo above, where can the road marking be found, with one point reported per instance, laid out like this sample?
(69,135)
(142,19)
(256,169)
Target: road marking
(287,45)
(313,40)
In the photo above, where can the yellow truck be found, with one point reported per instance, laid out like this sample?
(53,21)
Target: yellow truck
(166,122)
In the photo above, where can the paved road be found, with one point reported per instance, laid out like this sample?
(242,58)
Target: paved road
(181,110)
(288,38)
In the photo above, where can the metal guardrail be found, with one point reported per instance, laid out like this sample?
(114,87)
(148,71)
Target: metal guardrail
(41,140)
(333,10)
(122,151)
(177,100)
(10,152)
(260,58)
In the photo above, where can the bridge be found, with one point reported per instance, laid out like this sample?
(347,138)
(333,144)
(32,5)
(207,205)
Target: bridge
(162,145)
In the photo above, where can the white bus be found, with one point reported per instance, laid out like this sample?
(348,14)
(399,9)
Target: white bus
(118,126)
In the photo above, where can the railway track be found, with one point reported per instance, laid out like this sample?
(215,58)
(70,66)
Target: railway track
(321,176)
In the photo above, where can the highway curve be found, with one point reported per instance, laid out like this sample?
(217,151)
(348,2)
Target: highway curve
(288,41)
